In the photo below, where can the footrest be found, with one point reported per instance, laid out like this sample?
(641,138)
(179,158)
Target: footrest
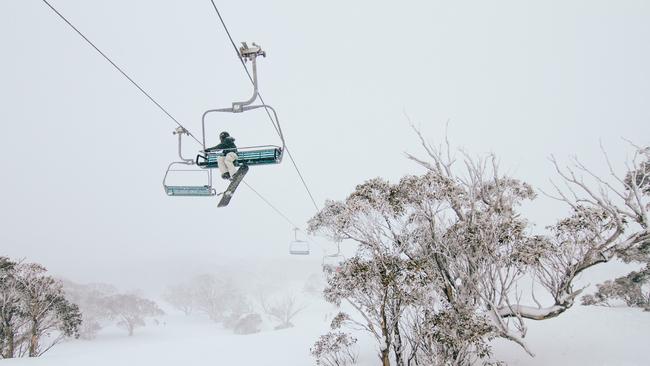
(190,191)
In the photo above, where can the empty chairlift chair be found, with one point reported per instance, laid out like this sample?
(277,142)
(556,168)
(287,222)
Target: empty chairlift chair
(332,262)
(205,190)
(186,190)
(298,247)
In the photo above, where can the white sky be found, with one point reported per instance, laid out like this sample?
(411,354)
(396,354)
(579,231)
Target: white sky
(84,152)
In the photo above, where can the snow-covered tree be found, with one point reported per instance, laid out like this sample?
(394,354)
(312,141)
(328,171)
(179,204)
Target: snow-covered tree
(610,219)
(131,310)
(47,309)
(634,288)
(443,252)
(218,297)
(91,299)
(181,297)
(12,317)
(34,312)
(335,349)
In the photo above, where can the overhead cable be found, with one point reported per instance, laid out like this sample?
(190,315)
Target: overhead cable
(118,68)
(271,205)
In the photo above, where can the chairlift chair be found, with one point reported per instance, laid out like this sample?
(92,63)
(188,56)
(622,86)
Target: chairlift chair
(298,247)
(251,155)
(204,190)
(332,262)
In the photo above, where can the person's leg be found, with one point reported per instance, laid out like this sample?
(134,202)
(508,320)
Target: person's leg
(229,163)
(221,162)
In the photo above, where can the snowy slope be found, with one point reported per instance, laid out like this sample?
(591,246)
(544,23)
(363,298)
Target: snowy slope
(583,336)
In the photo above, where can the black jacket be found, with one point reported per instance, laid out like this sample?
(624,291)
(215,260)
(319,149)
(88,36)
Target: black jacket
(227,145)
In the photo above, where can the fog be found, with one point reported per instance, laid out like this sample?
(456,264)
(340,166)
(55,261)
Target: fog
(84,153)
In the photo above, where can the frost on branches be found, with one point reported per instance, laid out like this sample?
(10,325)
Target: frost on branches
(440,255)
(335,349)
(632,289)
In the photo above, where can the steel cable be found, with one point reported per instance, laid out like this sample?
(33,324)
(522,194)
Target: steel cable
(118,68)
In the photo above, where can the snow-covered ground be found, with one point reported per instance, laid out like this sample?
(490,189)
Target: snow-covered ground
(585,335)
(582,336)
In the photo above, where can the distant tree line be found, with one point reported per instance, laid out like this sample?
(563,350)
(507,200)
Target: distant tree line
(222,301)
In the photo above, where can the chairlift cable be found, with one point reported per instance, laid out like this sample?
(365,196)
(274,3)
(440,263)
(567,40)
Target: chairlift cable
(304,183)
(270,205)
(118,68)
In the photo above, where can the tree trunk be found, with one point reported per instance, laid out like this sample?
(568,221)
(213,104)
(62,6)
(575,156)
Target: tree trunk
(385,357)
(397,347)
(9,351)
(385,352)
(33,340)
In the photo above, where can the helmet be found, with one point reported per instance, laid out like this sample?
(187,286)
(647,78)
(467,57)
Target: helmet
(223,135)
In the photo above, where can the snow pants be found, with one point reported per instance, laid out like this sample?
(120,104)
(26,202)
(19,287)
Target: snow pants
(226,163)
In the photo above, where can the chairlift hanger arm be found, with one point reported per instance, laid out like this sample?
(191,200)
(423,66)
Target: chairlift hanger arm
(180,131)
(245,108)
(249,53)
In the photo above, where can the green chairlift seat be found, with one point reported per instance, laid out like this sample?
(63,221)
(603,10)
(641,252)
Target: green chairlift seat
(257,155)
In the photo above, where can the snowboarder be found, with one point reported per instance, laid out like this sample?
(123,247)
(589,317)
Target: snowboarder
(228,155)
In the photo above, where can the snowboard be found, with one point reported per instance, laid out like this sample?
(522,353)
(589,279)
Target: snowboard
(236,179)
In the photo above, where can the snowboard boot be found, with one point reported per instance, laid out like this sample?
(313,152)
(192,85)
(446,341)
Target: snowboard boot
(226,176)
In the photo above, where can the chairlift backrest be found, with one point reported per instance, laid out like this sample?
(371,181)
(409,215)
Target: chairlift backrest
(255,155)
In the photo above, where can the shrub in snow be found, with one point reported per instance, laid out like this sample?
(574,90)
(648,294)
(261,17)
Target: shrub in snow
(248,324)
(35,315)
(130,310)
(440,256)
(282,310)
(335,349)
